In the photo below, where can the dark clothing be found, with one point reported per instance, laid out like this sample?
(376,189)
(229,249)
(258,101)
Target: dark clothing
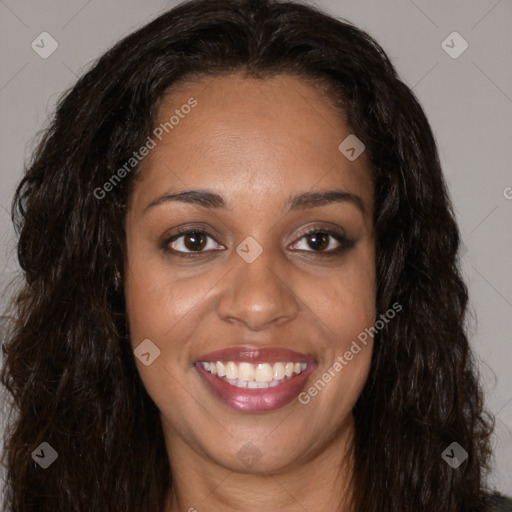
(499,503)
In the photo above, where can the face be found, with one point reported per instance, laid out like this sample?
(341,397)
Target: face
(255,287)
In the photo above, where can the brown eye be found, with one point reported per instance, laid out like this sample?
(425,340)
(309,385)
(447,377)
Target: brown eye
(318,240)
(323,241)
(190,241)
(194,240)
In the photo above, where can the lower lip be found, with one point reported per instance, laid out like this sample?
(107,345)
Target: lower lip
(255,400)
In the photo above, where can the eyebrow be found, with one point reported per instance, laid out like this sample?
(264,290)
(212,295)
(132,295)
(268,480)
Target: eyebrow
(212,201)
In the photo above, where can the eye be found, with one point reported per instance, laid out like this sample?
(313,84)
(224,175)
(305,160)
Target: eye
(190,241)
(324,241)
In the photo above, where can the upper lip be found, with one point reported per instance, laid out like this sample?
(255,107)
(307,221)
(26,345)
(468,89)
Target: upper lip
(256,355)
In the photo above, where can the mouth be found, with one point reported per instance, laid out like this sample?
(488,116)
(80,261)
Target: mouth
(255,380)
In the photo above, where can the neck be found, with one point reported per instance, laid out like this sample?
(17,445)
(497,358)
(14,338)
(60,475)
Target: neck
(320,482)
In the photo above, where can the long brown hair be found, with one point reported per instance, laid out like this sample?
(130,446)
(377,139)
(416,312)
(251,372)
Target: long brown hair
(69,368)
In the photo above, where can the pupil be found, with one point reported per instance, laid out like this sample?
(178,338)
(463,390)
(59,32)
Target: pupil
(197,241)
(319,240)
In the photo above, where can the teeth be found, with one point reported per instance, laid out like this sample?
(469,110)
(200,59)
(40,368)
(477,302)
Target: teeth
(221,369)
(263,373)
(254,376)
(279,371)
(246,371)
(231,371)
(257,385)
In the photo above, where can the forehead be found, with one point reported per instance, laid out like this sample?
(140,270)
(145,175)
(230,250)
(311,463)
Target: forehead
(247,136)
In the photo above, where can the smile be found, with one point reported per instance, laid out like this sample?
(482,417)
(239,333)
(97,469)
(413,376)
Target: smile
(255,380)
(254,376)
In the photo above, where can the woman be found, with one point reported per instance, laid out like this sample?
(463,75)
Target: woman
(242,289)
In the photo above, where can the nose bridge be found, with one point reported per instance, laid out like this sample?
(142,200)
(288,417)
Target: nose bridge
(256,295)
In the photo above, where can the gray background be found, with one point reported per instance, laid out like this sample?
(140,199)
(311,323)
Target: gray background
(468,101)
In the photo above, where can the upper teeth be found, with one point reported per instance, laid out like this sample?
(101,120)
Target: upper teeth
(247,373)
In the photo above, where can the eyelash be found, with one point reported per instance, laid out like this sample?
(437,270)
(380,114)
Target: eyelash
(344,242)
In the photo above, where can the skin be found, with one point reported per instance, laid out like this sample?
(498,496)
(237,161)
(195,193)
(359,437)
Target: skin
(255,142)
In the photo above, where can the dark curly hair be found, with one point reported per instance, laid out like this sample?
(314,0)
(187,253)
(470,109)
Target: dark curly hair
(68,365)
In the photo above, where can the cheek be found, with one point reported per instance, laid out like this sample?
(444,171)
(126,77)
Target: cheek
(345,301)
(344,307)
(170,310)
(157,298)
(345,358)
(156,308)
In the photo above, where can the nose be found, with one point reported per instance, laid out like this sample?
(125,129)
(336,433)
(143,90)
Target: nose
(257,294)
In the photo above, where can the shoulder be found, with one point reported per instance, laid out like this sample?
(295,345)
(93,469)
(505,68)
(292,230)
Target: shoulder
(498,503)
